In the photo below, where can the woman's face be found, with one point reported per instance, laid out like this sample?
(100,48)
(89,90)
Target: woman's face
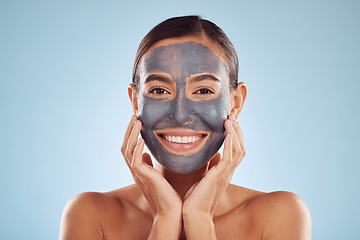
(183,101)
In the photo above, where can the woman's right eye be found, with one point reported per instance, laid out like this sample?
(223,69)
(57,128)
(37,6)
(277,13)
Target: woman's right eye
(159,91)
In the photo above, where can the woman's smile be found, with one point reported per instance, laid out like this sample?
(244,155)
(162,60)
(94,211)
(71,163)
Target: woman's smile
(182,141)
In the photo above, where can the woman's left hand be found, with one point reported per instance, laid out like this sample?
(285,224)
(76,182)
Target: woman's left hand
(201,200)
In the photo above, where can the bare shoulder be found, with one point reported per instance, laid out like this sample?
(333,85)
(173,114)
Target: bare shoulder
(82,215)
(280,204)
(88,215)
(283,215)
(259,215)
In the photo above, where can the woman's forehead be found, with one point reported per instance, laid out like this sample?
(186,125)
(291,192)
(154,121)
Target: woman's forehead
(182,60)
(187,58)
(195,39)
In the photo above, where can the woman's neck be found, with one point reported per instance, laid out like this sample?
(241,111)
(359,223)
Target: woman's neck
(182,182)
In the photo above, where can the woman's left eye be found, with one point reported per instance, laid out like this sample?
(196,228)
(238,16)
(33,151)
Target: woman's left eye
(204,91)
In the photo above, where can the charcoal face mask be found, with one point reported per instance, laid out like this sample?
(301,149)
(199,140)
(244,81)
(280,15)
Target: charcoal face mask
(182,60)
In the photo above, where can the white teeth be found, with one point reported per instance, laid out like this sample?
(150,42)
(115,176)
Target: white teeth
(185,139)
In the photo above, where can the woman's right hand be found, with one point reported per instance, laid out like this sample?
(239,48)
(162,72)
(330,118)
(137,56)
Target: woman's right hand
(165,202)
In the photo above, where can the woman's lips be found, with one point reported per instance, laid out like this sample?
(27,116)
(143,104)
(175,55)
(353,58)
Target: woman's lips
(182,142)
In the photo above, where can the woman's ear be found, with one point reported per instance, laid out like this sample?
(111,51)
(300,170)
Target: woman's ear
(133,98)
(238,99)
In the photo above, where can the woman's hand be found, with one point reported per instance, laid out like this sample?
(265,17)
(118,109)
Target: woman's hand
(165,202)
(201,200)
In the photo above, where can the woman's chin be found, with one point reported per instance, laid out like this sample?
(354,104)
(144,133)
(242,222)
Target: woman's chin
(182,168)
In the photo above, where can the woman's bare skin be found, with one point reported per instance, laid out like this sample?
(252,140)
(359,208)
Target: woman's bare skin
(241,214)
(199,205)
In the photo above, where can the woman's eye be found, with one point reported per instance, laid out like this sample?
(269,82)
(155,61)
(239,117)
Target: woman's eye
(204,91)
(158,91)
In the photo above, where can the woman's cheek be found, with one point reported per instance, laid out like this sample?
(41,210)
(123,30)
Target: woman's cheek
(214,112)
(151,111)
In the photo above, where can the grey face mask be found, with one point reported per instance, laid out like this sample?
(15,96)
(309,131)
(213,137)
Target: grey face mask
(181,61)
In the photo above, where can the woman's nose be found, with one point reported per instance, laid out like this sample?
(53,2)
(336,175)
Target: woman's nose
(180,113)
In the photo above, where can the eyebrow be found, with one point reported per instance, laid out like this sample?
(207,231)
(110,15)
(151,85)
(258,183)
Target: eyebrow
(204,76)
(155,77)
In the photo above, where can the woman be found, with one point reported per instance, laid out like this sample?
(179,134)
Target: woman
(186,100)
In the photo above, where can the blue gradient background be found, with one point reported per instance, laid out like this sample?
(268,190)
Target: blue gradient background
(65,67)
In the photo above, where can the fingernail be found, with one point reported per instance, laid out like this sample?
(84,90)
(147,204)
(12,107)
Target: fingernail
(133,118)
(229,123)
(138,123)
(232,117)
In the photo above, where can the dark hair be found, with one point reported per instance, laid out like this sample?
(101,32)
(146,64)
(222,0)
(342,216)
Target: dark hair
(190,26)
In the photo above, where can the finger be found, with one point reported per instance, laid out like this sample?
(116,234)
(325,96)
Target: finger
(137,158)
(230,131)
(228,126)
(241,135)
(240,149)
(127,133)
(227,165)
(231,149)
(238,131)
(237,147)
(242,142)
(143,170)
(126,140)
(132,141)
(227,153)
